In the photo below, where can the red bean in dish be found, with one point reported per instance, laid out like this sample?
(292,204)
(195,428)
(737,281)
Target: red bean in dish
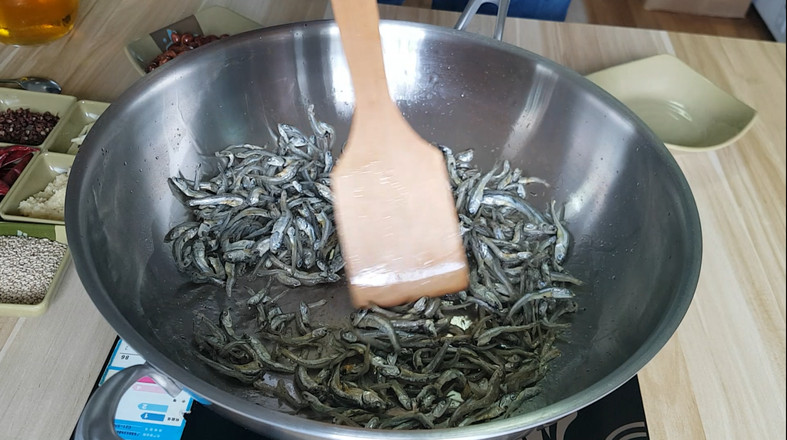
(24,126)
(181,43)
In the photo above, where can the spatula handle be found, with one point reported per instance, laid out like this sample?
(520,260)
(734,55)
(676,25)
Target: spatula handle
(359,26)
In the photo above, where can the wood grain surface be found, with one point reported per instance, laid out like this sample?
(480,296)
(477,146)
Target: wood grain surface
(721,376)
(631,13)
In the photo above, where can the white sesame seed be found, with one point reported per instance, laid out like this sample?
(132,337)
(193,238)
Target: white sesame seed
(27,267)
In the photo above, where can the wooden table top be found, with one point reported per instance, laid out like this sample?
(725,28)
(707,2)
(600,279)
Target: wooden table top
(722,375)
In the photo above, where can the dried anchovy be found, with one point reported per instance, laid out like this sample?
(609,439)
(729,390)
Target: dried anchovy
(465,358)
(268,211)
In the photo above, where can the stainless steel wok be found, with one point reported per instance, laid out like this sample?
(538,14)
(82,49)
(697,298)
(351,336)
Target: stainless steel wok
(635,227)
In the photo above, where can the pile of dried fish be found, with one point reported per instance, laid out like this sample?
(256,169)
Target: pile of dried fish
(464,358)
(267,211)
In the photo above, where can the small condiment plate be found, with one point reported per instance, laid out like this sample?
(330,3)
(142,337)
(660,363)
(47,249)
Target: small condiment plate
(683,108)
(213,20)
(78,117)
(52,232)
(38,102)
(41,170)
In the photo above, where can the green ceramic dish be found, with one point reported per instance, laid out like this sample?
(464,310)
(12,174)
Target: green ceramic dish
(52,232)
(41,170)
(40,102)
(214,20)
(79,116)
(685,109)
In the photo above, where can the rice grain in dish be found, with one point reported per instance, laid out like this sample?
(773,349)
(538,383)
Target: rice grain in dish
(49,203)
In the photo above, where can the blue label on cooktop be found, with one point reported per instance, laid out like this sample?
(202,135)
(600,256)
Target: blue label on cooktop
(618,416)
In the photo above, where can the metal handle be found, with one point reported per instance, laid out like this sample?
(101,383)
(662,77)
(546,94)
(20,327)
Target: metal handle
(97,421)
(472,9)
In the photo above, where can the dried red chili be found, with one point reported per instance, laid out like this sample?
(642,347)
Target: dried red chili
(13,160)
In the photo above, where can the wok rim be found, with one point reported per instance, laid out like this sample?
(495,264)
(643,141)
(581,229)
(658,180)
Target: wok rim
(239,408)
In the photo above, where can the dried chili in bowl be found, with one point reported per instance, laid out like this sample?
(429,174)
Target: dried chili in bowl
(13,160)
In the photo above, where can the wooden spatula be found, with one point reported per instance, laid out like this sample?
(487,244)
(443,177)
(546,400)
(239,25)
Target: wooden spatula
(395,214)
